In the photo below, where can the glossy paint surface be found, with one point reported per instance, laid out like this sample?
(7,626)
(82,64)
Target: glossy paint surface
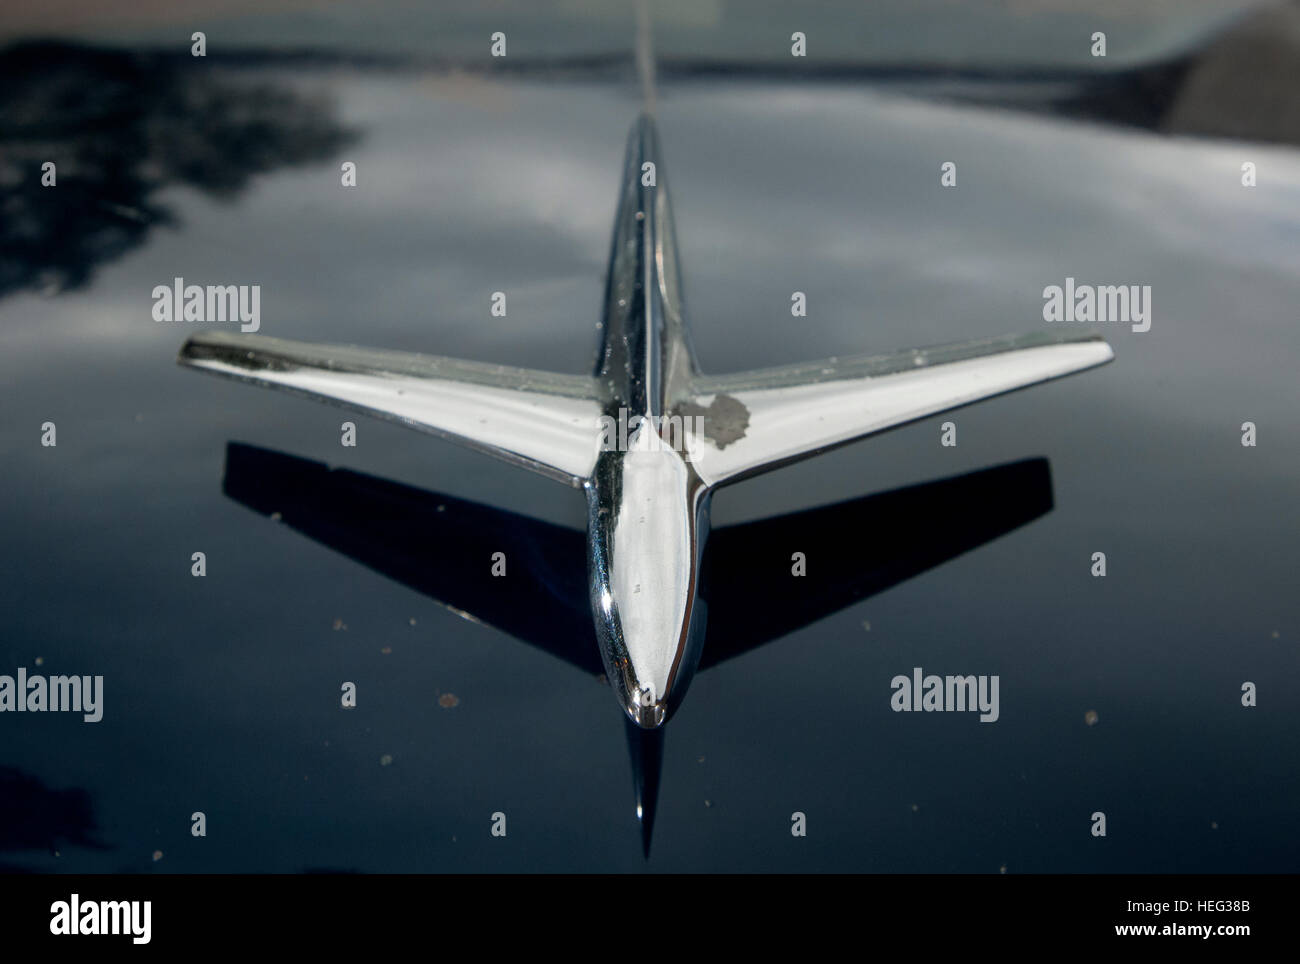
(222,694)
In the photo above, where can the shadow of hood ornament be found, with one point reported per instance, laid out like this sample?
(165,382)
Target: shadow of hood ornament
(648,437)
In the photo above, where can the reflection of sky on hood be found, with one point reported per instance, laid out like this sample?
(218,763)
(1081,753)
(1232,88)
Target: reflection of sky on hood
(969,32)
(221,694)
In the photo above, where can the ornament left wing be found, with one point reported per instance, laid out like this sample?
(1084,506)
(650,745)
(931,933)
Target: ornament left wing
(543,421)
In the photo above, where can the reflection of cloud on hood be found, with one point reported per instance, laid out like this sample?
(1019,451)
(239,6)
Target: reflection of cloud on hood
(1019,176)
(495,166)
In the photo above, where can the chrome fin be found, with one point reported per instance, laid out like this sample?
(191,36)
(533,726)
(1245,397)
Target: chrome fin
(754,421)
(540,420)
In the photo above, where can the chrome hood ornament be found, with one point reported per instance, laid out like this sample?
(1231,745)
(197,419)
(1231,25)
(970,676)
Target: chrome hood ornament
(648,437)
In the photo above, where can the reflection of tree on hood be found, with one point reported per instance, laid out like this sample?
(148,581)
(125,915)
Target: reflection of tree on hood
(119,126)
(36,817)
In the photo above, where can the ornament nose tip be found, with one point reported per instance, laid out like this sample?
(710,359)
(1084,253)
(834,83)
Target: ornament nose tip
(646,711)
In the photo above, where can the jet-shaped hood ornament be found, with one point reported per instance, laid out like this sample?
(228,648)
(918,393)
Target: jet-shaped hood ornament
(648,437)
